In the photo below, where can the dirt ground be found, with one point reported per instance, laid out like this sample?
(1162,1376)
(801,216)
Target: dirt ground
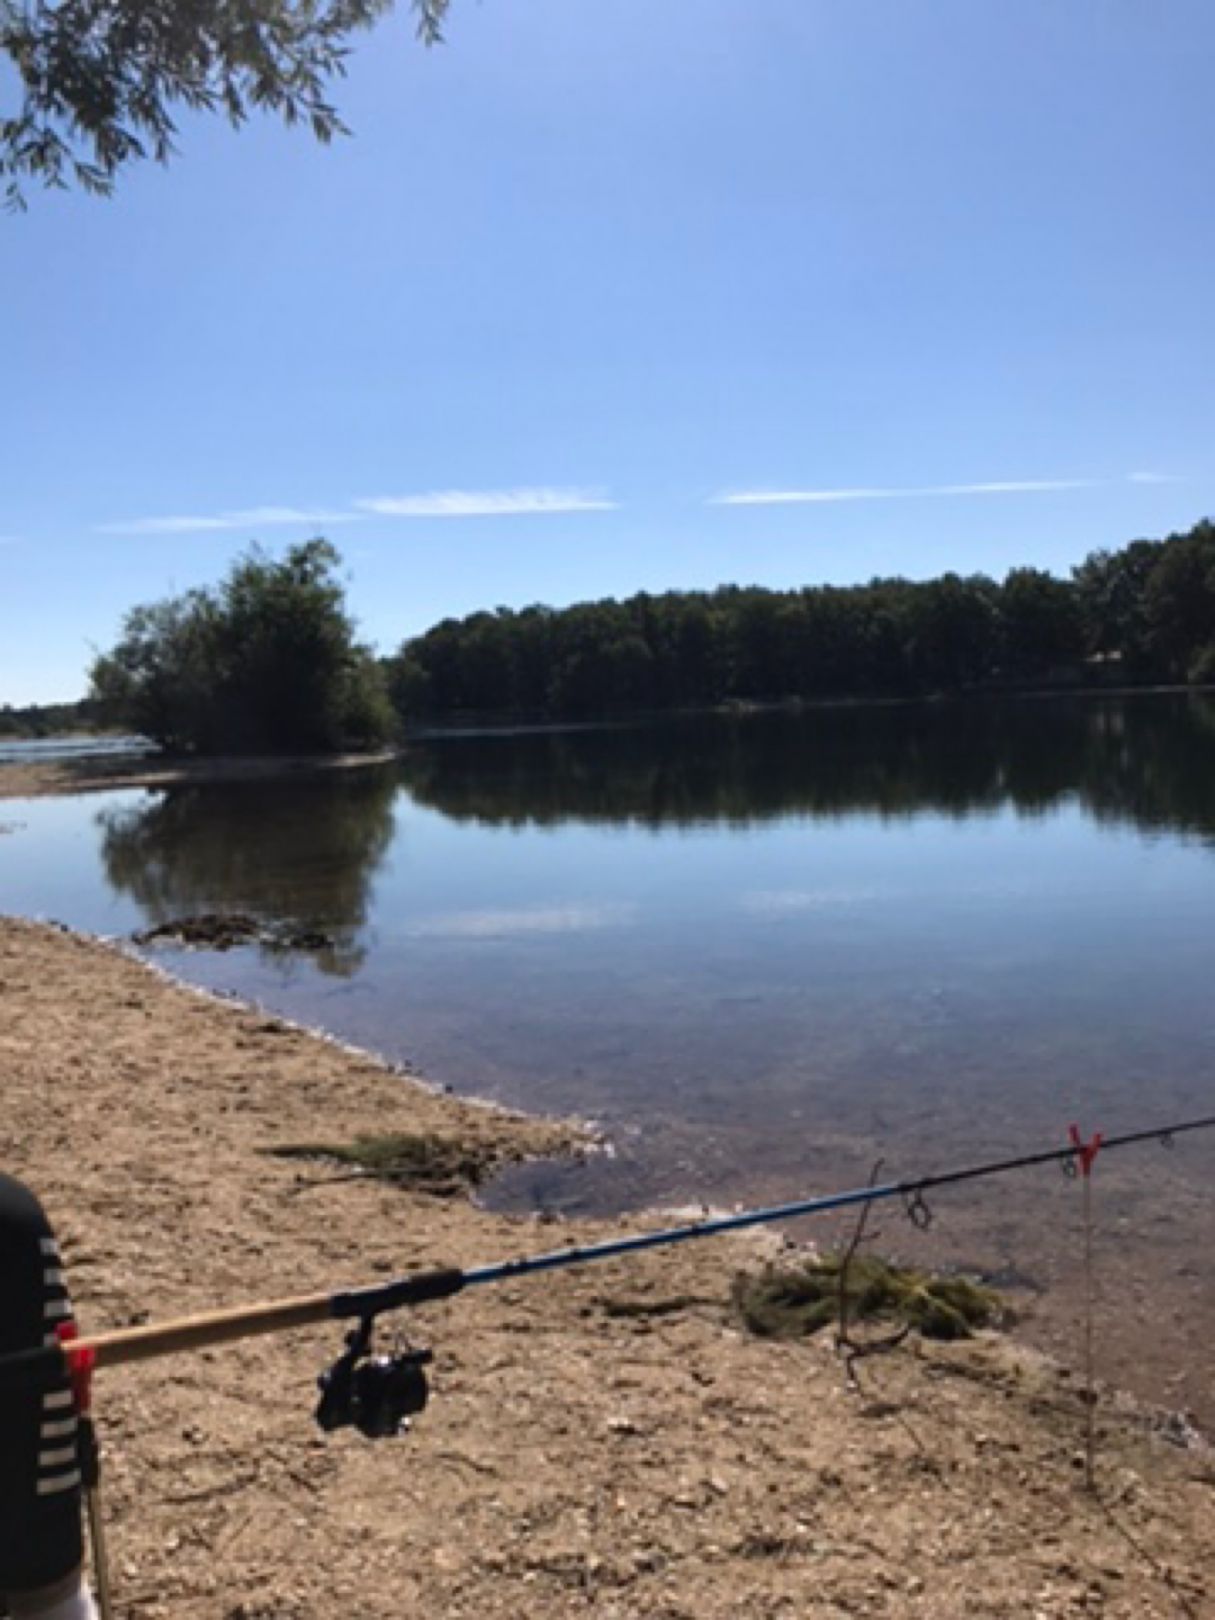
(604,1441)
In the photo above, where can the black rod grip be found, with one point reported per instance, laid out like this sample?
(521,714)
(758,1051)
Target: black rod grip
(416,1290)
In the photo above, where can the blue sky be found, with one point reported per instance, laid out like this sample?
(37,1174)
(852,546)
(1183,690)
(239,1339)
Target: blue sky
(593,283)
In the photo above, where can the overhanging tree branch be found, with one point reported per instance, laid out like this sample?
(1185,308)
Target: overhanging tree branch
(96,84)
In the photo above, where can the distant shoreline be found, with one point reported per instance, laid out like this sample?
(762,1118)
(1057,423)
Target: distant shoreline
(45,778)
(39,779)
(503,723)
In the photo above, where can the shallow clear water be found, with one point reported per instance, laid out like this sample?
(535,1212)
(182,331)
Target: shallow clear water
(761,950)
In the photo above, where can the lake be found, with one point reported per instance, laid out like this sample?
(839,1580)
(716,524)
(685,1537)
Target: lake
(761,951)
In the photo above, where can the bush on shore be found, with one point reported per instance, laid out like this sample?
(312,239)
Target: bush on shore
(267,662)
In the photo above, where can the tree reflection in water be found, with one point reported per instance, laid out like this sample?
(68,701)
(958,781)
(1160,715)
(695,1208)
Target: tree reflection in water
(303,854)
(299,855)
(1145,760)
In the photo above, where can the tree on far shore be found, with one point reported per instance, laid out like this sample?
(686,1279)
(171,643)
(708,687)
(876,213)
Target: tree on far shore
(265,663)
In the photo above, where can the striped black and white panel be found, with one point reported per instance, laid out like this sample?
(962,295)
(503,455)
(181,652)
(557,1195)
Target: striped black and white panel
(58,1454)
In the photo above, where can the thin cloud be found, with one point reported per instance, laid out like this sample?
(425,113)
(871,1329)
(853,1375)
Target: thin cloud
(467,503)
(823,497)
(253,517)
(11,540)
(1154,478)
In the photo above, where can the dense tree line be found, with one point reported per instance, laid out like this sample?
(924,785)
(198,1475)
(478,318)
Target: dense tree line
(267,662)
(34,720)
(1146,611)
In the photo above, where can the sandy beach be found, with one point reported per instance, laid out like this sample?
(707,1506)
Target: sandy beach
(608,1440)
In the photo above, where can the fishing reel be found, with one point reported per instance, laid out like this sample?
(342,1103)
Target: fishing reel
(377,1395)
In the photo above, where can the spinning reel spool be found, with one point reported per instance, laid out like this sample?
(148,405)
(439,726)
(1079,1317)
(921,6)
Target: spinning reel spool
(375,1394)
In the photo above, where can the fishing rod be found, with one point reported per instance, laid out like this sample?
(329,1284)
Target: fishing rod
(377,1394)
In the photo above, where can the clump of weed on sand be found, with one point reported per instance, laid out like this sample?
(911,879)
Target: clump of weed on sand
(792,1301)
(443,1166)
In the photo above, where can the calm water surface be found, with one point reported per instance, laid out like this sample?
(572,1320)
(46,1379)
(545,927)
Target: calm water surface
(761,951)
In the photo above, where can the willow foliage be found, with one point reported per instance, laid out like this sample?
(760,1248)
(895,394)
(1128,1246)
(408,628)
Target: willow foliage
(99,83)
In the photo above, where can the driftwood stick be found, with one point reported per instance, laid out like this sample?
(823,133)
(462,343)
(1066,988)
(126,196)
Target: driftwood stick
(853,1350)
